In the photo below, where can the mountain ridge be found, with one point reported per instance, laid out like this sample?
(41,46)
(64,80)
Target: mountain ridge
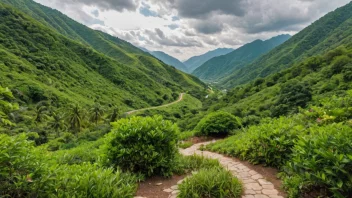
(196,61)
(218,67)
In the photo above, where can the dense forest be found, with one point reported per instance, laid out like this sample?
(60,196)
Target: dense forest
(68,129)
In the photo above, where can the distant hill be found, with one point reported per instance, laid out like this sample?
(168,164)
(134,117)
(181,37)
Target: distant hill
(169,60)
(46,55)
(332,30)
(218,67)
(196,61)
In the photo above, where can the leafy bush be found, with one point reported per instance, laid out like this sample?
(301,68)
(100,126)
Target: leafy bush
(87,180)
(269,143)
(217,123)
(212,183)
(321,160)
(20,170)
(144,145)
(25,172)
(186,164)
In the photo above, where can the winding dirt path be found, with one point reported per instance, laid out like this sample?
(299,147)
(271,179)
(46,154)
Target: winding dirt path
(255,185)
(166,105)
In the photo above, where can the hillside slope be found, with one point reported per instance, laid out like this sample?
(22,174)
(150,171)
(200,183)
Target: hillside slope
(41,64)
(169,60)
(120,50)
(196,61)
(332,30)
(218,67)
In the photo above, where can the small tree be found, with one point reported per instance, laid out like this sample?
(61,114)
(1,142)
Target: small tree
(57,123)
(97,113)
(75,119)
(115,114)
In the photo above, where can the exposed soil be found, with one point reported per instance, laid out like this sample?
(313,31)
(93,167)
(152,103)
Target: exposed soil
(151,189)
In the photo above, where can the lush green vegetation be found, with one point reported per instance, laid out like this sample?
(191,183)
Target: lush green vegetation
(308,82)
(311,148)
(329,32)
(214,182)
(196,61)
(219,67)
(143,145)
(41,64)
(217,123)
(26,172)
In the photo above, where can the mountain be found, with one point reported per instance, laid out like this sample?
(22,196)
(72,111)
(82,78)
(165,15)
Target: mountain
(218,67)
(169,60)
(334,29)
(196,61)
(51,57)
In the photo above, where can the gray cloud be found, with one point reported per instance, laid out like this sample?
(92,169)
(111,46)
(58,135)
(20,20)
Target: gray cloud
(200,9)
(118,5)
(207,27)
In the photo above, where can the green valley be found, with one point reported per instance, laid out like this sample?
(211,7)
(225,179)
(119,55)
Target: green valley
(84,113)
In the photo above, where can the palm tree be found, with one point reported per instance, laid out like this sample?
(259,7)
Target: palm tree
(97,113)
(114,115)
(40,112)
(57,123)
(75,119)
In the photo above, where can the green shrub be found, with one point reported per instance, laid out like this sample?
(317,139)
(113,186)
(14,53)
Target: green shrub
(212,183)
(87,180)
(26,172)
(20,170)
(186,164)
(186,135)
(269,143)
(144,145)
(217,123)
(321,160)
(185,145)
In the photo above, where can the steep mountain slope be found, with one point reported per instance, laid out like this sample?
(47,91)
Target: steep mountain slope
(334,29)
(40,64)
(118,49)
(169,60)
(196,61)
(312,80)
(218,67)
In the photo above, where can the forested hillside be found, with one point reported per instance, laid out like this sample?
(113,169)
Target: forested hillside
(196,61)
(327,33)
(219,67)
(41,63)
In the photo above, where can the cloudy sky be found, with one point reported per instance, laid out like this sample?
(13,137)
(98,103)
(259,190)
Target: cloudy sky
(184,28)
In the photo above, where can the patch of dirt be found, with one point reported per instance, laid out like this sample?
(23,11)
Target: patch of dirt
(196,140)
(153,187)
(268,173)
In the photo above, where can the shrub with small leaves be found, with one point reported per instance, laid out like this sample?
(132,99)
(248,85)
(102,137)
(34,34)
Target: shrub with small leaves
(143,145)
(217,123)
(321,160)
(213,183)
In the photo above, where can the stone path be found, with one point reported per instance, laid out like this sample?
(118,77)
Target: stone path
(255,186)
